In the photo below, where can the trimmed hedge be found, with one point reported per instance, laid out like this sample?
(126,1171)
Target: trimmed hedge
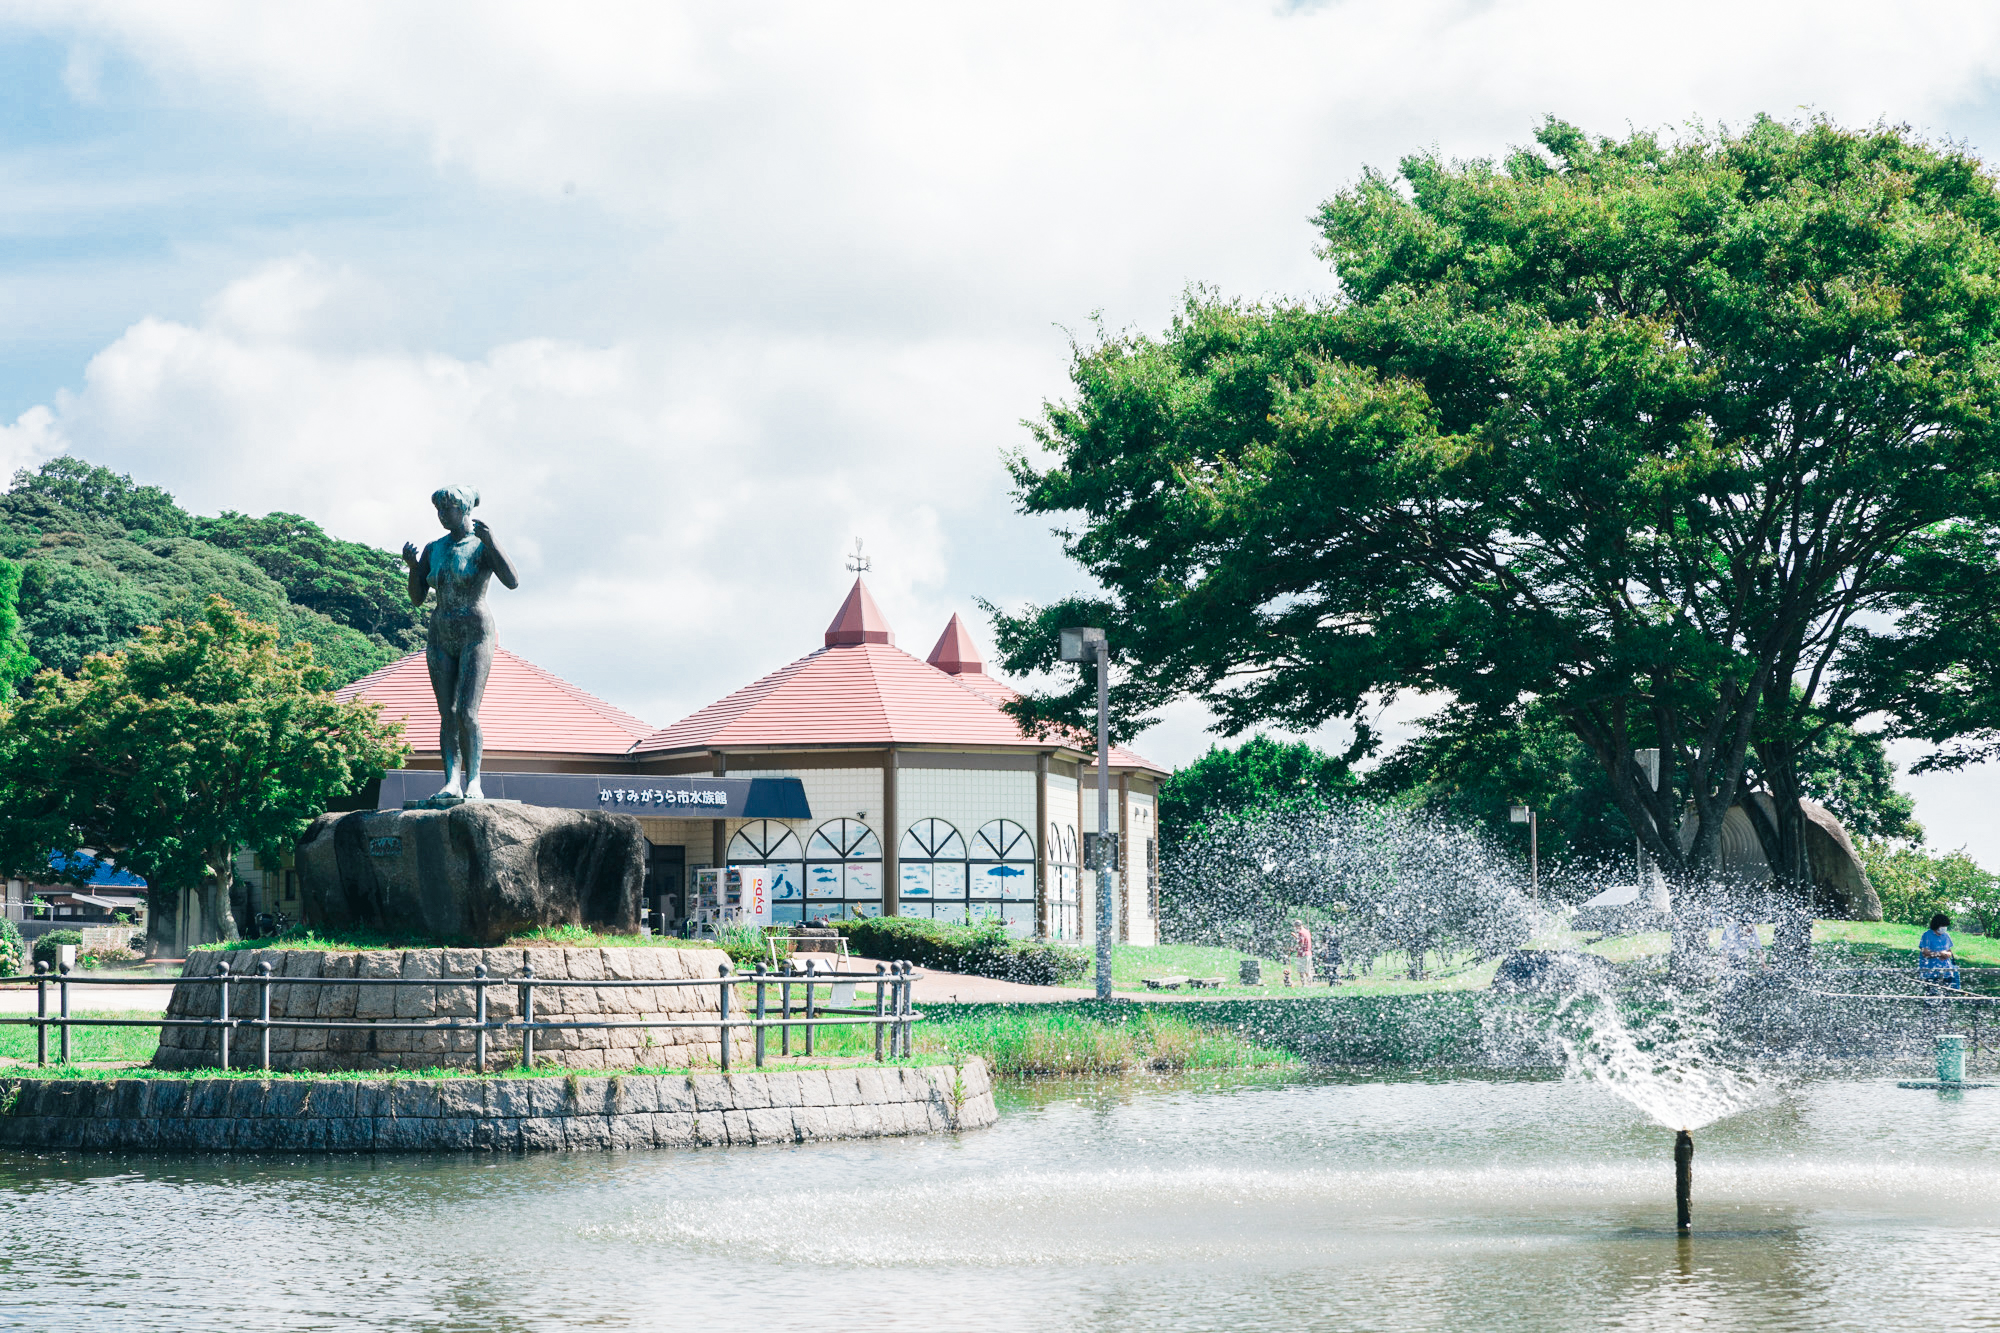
(45,947)
(980,951)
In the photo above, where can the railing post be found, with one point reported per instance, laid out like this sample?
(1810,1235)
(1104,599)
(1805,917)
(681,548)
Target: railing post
(760,1015)
(41,1013)
(909,984)
(810,1001)
(722,991)
(264,1013)
(222,971)
(880,972)
(479,1009)
(63,986)
(785,998)
(527,1011)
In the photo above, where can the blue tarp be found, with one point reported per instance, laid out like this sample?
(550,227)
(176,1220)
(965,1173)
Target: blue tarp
(69,867)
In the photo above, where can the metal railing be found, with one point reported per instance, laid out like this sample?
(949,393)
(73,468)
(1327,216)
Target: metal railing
(892,1014)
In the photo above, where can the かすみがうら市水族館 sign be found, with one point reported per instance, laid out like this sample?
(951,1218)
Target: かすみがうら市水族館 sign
(671,798)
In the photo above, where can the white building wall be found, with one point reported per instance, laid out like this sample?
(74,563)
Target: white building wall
(966,798)
(1141,823)
(1066,880)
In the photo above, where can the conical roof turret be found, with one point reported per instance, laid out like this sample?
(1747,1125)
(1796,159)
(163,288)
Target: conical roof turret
(859,621)
(956,654)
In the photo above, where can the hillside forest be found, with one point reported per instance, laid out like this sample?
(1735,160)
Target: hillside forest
(99,556)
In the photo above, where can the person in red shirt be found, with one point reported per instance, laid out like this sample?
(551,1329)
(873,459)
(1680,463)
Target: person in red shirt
(1302,945)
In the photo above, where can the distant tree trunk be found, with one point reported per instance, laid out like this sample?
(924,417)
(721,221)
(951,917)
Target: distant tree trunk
(1782,835)
(216,891)
(161,903)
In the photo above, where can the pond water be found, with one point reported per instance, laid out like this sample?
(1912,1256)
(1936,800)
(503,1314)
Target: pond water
(1316,1202)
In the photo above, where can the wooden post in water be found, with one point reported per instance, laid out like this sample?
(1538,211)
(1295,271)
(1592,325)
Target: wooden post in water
(1683,1178)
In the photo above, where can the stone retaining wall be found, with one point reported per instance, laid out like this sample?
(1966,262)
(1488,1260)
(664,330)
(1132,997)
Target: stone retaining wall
(351,1048)
(492,1114)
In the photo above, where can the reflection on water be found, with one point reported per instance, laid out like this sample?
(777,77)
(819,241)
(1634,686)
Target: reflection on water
(1465,1203)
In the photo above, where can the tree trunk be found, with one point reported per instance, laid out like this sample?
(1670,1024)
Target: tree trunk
(160,911)
(216,889)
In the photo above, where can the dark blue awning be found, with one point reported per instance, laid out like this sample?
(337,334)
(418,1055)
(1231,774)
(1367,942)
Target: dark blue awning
(671,798)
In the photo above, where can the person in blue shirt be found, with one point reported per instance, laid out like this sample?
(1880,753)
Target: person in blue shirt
(1935,963)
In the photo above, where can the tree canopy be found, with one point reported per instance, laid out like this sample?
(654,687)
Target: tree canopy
(1671,437)
(170,754)
(103,556)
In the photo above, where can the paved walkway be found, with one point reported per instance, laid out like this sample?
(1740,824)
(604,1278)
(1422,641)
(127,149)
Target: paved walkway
(937,987)
(21,999)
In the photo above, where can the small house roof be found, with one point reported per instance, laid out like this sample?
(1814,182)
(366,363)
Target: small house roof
(526,709)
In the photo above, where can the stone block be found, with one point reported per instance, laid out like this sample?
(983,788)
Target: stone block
(712,1093)
(541,1134)
(377,1001)
(483,871)
(844,1087)
(212,1134)
(461,1098)
(165,1097)
(354,1133)
(736,1127)
(770,1126)
(783,1089)
(419,1001)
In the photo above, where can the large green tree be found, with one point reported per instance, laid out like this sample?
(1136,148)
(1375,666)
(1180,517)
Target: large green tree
(1639,429)
(196,740)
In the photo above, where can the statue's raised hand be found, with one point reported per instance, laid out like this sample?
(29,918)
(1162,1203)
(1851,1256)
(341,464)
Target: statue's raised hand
(481,531)
(410,554)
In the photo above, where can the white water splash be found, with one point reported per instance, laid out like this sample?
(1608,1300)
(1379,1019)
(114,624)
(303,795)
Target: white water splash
(1663,1053)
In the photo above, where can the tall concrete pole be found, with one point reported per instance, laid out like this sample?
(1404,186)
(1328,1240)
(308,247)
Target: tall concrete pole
(1104,922)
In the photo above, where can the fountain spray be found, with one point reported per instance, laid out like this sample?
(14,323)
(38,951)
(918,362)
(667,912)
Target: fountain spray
(1683,1178)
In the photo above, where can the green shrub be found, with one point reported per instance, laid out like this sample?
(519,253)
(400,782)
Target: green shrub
(980,951)
(13,955)
(46,946)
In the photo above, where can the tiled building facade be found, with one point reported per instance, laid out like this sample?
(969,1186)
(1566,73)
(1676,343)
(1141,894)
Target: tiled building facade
(926,799)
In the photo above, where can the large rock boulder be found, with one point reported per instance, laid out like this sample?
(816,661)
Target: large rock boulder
(478,872)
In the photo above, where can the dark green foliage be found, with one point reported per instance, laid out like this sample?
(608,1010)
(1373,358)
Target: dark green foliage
(1474,769)
(69,495)
(1849,773)
(353,584)
(104,556)
(1260,774)
(980,951)
(46,946)
(15,661)
(71,610)
(1642,430)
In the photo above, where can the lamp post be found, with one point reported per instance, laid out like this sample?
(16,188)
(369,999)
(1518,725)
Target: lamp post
(1088,645)
(1521,814)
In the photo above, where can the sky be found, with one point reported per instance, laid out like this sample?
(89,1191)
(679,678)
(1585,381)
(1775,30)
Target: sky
(696,295)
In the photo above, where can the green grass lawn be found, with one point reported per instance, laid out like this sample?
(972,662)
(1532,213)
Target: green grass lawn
(18,1040)
(1132,963)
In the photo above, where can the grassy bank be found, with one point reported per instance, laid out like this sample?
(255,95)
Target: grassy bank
(17,1041)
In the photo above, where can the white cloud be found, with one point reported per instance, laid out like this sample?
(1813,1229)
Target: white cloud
(678,509)
(780,274)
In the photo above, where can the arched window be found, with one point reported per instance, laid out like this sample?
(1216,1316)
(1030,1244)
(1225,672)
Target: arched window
(764,840)
(932,840)
(843,839)
(775,846)
(1065,910)
(843,870)
(1002,840)
(930,871)
(1001,876)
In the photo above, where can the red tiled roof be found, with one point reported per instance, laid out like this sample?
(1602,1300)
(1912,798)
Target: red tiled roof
(525,709)
(859,621)
(865,691)
(956,653)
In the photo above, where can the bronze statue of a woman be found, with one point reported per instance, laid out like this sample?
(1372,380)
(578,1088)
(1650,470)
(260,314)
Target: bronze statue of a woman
(463,636)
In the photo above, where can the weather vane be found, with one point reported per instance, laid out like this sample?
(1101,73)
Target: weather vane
(858,563)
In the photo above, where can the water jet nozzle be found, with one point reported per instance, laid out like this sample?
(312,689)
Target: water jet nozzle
(1683,1178)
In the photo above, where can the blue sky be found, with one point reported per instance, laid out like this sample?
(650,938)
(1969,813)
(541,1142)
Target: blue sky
(697,294)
